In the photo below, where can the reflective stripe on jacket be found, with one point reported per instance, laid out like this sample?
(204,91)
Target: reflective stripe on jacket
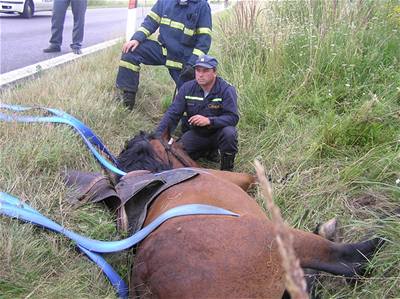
(185,31)
(220,106)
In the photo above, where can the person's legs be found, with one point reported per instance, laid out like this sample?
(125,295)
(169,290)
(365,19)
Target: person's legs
(227,142)
(149,52)
(78,10)
(57,25)
(194,144)
(175,75)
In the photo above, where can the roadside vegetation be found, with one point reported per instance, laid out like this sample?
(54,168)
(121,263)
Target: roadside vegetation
(319,95)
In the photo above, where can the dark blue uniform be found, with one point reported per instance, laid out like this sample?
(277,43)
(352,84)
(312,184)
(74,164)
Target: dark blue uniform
(185,34)
(220,106)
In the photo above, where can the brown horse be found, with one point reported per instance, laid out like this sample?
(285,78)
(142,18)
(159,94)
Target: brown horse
(220,256)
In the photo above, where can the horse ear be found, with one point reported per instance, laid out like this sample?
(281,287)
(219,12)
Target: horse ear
(166,135)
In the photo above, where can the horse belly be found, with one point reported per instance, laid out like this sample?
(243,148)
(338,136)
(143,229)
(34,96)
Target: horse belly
(209,257)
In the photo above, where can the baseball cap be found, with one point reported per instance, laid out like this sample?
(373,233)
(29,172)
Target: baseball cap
(206,61)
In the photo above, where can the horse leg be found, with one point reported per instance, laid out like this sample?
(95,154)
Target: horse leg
(327,231)
(348,260)
(243,180)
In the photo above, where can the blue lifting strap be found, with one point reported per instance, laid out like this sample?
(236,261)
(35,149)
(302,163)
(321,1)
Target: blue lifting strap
(88,137)
(13,207)
(116,280)
(77,124)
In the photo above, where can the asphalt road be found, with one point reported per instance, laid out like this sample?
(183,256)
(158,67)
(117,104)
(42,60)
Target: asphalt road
(22,40)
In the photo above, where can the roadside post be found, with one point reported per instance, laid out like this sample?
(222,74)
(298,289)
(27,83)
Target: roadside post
(131,22)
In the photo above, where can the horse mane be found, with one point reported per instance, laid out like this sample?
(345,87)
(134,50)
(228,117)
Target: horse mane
(138,154)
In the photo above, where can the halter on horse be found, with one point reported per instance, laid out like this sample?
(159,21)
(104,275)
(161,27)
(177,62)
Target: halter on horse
(176,155)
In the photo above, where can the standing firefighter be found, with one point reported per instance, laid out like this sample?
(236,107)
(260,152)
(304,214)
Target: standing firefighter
(211,107)
(184,34)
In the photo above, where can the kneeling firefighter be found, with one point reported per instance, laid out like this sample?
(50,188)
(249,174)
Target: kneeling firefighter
(210,104)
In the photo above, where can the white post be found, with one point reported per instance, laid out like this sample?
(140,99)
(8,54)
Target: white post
(131,25)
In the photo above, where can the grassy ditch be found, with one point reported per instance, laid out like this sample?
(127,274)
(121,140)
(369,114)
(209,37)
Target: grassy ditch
(319,87)
(319,97)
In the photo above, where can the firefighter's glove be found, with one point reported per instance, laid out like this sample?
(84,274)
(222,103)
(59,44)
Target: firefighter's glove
(187,73)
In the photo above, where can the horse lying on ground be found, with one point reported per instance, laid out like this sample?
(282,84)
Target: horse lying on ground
(217,256)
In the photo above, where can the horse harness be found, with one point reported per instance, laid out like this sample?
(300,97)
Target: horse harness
(170,151)
(130,198)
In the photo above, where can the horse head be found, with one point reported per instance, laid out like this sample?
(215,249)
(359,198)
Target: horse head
(138,154)
(153,153)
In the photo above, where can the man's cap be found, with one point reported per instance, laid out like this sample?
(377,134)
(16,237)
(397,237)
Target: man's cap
(206,61)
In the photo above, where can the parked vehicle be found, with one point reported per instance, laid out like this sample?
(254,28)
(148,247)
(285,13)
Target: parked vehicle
(25,8)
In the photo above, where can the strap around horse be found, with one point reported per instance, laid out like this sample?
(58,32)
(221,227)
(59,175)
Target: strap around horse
(13,207)
(169,149)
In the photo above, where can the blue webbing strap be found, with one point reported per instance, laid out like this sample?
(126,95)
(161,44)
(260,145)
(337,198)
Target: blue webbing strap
(69,120)
(117,282)
(28,215)
(13,207)
(77,124)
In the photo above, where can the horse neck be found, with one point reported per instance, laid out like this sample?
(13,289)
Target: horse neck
(176,158)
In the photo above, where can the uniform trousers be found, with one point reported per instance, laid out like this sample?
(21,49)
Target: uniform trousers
(224,139)
(149,52)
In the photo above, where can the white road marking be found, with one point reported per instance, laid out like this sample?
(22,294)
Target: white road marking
(19,74)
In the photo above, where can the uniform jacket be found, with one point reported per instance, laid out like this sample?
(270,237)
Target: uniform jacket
(220,106)
(185,31)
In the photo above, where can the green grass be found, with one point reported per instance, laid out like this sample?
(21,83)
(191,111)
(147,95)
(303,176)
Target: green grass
(319,93)
(319,96)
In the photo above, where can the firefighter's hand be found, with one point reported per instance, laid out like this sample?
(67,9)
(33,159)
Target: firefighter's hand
(199,120)
(130,46)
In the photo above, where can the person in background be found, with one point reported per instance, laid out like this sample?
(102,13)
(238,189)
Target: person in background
(78,8)
(211,107)
(184,34)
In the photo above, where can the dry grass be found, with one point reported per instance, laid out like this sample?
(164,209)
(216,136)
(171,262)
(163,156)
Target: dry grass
(294,275)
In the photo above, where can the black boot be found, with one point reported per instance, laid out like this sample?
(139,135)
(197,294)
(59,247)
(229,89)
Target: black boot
(128,98)
(227,161)
(214,156)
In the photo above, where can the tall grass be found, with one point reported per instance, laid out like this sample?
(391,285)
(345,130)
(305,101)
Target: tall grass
(319,86)
(319,96)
